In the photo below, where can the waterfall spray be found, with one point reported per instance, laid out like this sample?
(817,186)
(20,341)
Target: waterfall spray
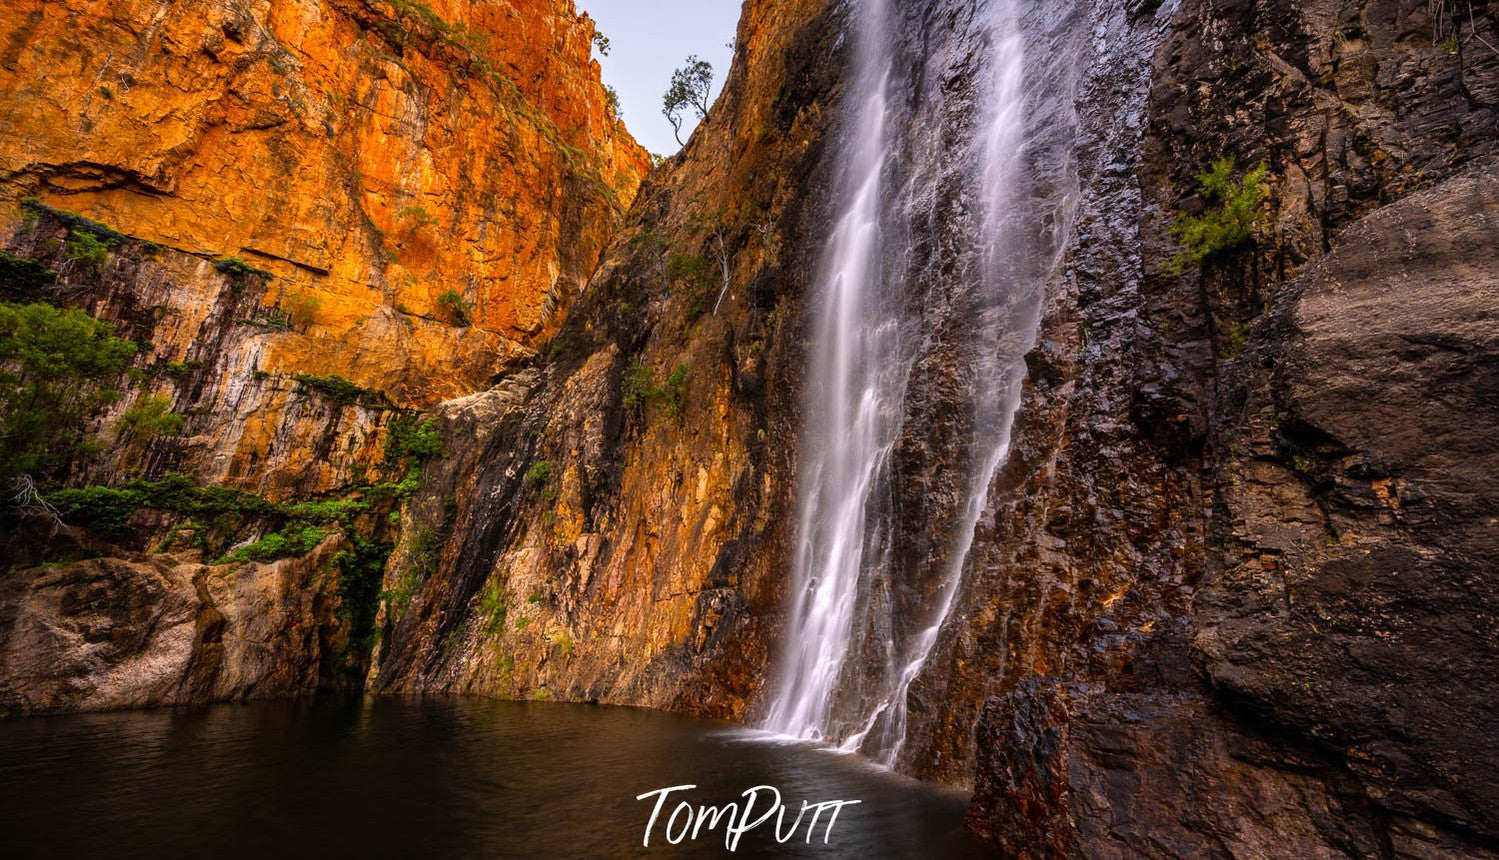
(847,669)
(851,427)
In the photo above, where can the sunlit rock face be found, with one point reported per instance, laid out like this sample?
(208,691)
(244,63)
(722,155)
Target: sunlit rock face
(615,526)
(400,199)
(370,156)
(1228,593)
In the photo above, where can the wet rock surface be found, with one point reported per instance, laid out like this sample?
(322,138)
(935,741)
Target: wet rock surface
(1296,660)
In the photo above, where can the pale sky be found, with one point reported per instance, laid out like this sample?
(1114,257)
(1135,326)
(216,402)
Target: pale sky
(650,38)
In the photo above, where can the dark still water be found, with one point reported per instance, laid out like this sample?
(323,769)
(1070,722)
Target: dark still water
(430,778)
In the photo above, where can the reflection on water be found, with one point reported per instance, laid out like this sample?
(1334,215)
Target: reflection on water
(429,778)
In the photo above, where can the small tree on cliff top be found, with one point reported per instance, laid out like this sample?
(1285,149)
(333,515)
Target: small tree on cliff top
(690,87)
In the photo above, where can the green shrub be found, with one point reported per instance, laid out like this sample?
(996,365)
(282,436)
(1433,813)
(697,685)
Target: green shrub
(108,509)
(539,473)
(104,509)
(673,395)
(343,391)
(34,209)
(295,539)
(1228,225)
(234,267)
(638,386)
(361,567)
(56,369)
(416,216)
(457,309)
(23,278)
(492,608)
(326,511)
(88,251)
(152,416)
(690,269)
(179,369)
(412,438)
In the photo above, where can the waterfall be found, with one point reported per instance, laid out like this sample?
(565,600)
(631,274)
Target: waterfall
(953,207)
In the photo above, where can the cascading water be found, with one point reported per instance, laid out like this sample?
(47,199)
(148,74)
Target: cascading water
(954,206)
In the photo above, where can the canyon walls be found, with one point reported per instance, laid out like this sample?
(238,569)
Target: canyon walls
(1240,603)
(1229,592)
(617,528)
(314,219)
(415,191)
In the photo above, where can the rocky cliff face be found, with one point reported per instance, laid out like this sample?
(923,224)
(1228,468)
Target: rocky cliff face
(317,219)
(1255,498)
(417,190)
(618,529)
(1231,596)
(1194,607)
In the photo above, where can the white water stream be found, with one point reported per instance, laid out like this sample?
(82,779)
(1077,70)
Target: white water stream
(831,685)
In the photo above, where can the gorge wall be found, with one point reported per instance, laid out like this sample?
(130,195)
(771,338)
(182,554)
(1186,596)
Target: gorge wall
(316,219)
(1231,594)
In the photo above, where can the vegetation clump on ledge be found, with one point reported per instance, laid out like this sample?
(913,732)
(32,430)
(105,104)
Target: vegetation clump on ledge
(73,221)
(58,368)
(344,392)
(235,267)
(458,310)
(24,278)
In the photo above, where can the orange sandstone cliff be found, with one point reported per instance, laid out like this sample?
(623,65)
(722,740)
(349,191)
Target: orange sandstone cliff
(316,219)
(413,192)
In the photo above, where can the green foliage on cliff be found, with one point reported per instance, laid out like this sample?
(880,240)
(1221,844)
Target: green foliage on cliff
(344,392)
(457,309)
(493,607)
(539,473)
(361,567)
(296,538)
(23,278)
(36,209)
(1227,224)
(672,396)
(638,386)
(412,438)
(236,268)
(108,509)
(88,251)
(691,85)
(58,367)
(152,416)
